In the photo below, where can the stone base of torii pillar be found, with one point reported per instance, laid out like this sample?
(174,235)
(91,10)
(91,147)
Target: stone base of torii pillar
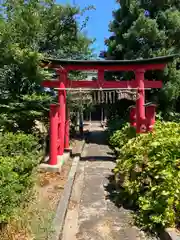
(61,159)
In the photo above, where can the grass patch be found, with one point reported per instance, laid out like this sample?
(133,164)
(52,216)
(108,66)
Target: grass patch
(34,221)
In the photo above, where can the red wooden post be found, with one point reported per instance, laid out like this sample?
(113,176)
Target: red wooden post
(140,109)
(67,127)
(133,116)
(150,116)
(53,133)
(62,113)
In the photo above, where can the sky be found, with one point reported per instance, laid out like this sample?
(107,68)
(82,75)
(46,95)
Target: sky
(98,19)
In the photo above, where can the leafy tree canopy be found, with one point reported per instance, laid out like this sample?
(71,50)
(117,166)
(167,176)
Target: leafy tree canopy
(29,31)
(144,29)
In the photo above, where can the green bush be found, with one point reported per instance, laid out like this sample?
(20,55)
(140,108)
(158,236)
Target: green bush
(115,123)
(14,144)
(120,137)
(148,175)
(19,156)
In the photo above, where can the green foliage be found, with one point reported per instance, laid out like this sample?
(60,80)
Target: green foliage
(19,156)
(169,116)
(144,29)
(18,144)
(22,115)
(30,31)
(120,137)
(115,123)
(148,175)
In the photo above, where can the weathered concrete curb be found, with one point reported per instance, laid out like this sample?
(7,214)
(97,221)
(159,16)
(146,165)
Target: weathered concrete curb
(63,204)
(170,234)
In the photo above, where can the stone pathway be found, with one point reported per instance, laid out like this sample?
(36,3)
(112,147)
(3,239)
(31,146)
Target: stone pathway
(91,216)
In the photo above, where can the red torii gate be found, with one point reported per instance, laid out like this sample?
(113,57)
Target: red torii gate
(59,115)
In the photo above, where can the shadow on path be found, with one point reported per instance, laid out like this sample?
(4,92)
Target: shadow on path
(97,148)
(98,158)
(117,195)
(96,137)
(125,203)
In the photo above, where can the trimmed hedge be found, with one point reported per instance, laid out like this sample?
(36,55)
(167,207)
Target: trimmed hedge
(147,174)
(19,156)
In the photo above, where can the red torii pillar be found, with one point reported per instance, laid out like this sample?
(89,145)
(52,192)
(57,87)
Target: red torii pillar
(59,119)
(140,109)
(67,130)
(66,116)
(62,117)
(53,134)
(143,117)
(150,116)
(132,116)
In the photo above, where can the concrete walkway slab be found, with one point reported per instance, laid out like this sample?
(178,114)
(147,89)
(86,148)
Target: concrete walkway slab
(91,216)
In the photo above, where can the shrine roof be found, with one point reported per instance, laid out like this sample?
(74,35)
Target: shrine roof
(156,60)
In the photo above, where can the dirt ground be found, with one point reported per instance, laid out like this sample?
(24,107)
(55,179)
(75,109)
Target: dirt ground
(34,222)
(51,185)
